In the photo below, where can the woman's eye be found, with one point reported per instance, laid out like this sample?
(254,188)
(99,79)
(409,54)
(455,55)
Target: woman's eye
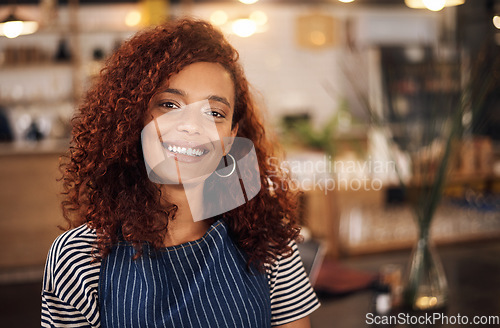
(169,105)
(214,114)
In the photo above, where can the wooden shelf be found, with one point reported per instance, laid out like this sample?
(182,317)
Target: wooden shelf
(33,68)
(387,246)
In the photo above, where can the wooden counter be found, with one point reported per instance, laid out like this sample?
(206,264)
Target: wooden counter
(30,208)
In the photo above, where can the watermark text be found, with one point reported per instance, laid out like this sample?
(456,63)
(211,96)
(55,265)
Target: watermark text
(430,319)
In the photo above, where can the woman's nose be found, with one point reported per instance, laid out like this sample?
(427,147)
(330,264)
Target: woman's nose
(190,122)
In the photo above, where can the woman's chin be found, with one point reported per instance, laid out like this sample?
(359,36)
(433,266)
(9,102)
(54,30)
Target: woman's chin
(186,173)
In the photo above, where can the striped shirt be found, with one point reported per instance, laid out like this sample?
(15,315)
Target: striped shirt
(70,293)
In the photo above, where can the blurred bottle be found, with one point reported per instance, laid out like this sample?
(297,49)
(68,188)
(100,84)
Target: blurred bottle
(63,53)
(5,129)
(94,67)
(33,133)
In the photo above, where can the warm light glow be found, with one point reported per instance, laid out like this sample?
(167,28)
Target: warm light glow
(244,27)
(346,1)
(259,17)
(13,29)
(415,54)
(317,38)
(426,302)
(434,5)
(133,18)
(496,22)
(248,2)
(29,27)
(218,18)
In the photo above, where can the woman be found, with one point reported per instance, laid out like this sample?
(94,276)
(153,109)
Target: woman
(146,248)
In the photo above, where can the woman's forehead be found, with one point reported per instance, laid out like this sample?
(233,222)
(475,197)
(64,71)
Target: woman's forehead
(202,80)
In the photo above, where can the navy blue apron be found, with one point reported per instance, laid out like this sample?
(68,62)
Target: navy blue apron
(203,283)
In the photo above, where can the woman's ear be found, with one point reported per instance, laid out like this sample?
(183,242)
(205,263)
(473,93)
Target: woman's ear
(227,147)
(234,131)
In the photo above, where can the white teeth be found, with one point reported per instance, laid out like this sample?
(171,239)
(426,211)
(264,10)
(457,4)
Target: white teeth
(185,151)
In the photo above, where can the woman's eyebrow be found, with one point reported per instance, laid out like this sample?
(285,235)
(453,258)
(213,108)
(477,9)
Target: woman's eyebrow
(175,92)
(219,99)
(211,97)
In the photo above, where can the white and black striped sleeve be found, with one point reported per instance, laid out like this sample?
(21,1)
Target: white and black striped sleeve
(69,290)
(292,296)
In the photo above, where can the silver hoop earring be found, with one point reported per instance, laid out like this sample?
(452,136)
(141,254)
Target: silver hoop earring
(232,171)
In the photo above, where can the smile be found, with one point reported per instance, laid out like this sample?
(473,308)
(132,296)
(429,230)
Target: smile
(194,152)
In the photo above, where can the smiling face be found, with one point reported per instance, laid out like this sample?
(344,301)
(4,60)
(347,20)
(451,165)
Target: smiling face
(189,125)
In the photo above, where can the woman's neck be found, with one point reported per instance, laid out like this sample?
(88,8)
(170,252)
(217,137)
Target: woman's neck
(189,202)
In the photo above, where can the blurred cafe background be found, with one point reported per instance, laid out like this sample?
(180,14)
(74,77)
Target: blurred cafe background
(386,109)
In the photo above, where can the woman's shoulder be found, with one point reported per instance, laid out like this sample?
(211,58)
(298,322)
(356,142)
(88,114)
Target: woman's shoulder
(287,259)
(292,296)
(82,231)
(286,266)
(79,239)
(70,281)
(71,252)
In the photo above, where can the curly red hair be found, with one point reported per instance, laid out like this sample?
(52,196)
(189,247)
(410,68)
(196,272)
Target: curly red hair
(105,180)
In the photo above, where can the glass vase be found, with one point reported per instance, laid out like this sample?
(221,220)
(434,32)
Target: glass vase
(426,287)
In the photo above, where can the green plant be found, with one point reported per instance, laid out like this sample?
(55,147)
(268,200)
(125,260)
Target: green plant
(444,109)
(300,130)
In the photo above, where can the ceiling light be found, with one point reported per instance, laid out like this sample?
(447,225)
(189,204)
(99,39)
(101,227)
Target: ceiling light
(218,17)
(244,27)
(496,22)
(346,1)
(259,17)
(248,2)
(12,26)
(133,18)
(434,5)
